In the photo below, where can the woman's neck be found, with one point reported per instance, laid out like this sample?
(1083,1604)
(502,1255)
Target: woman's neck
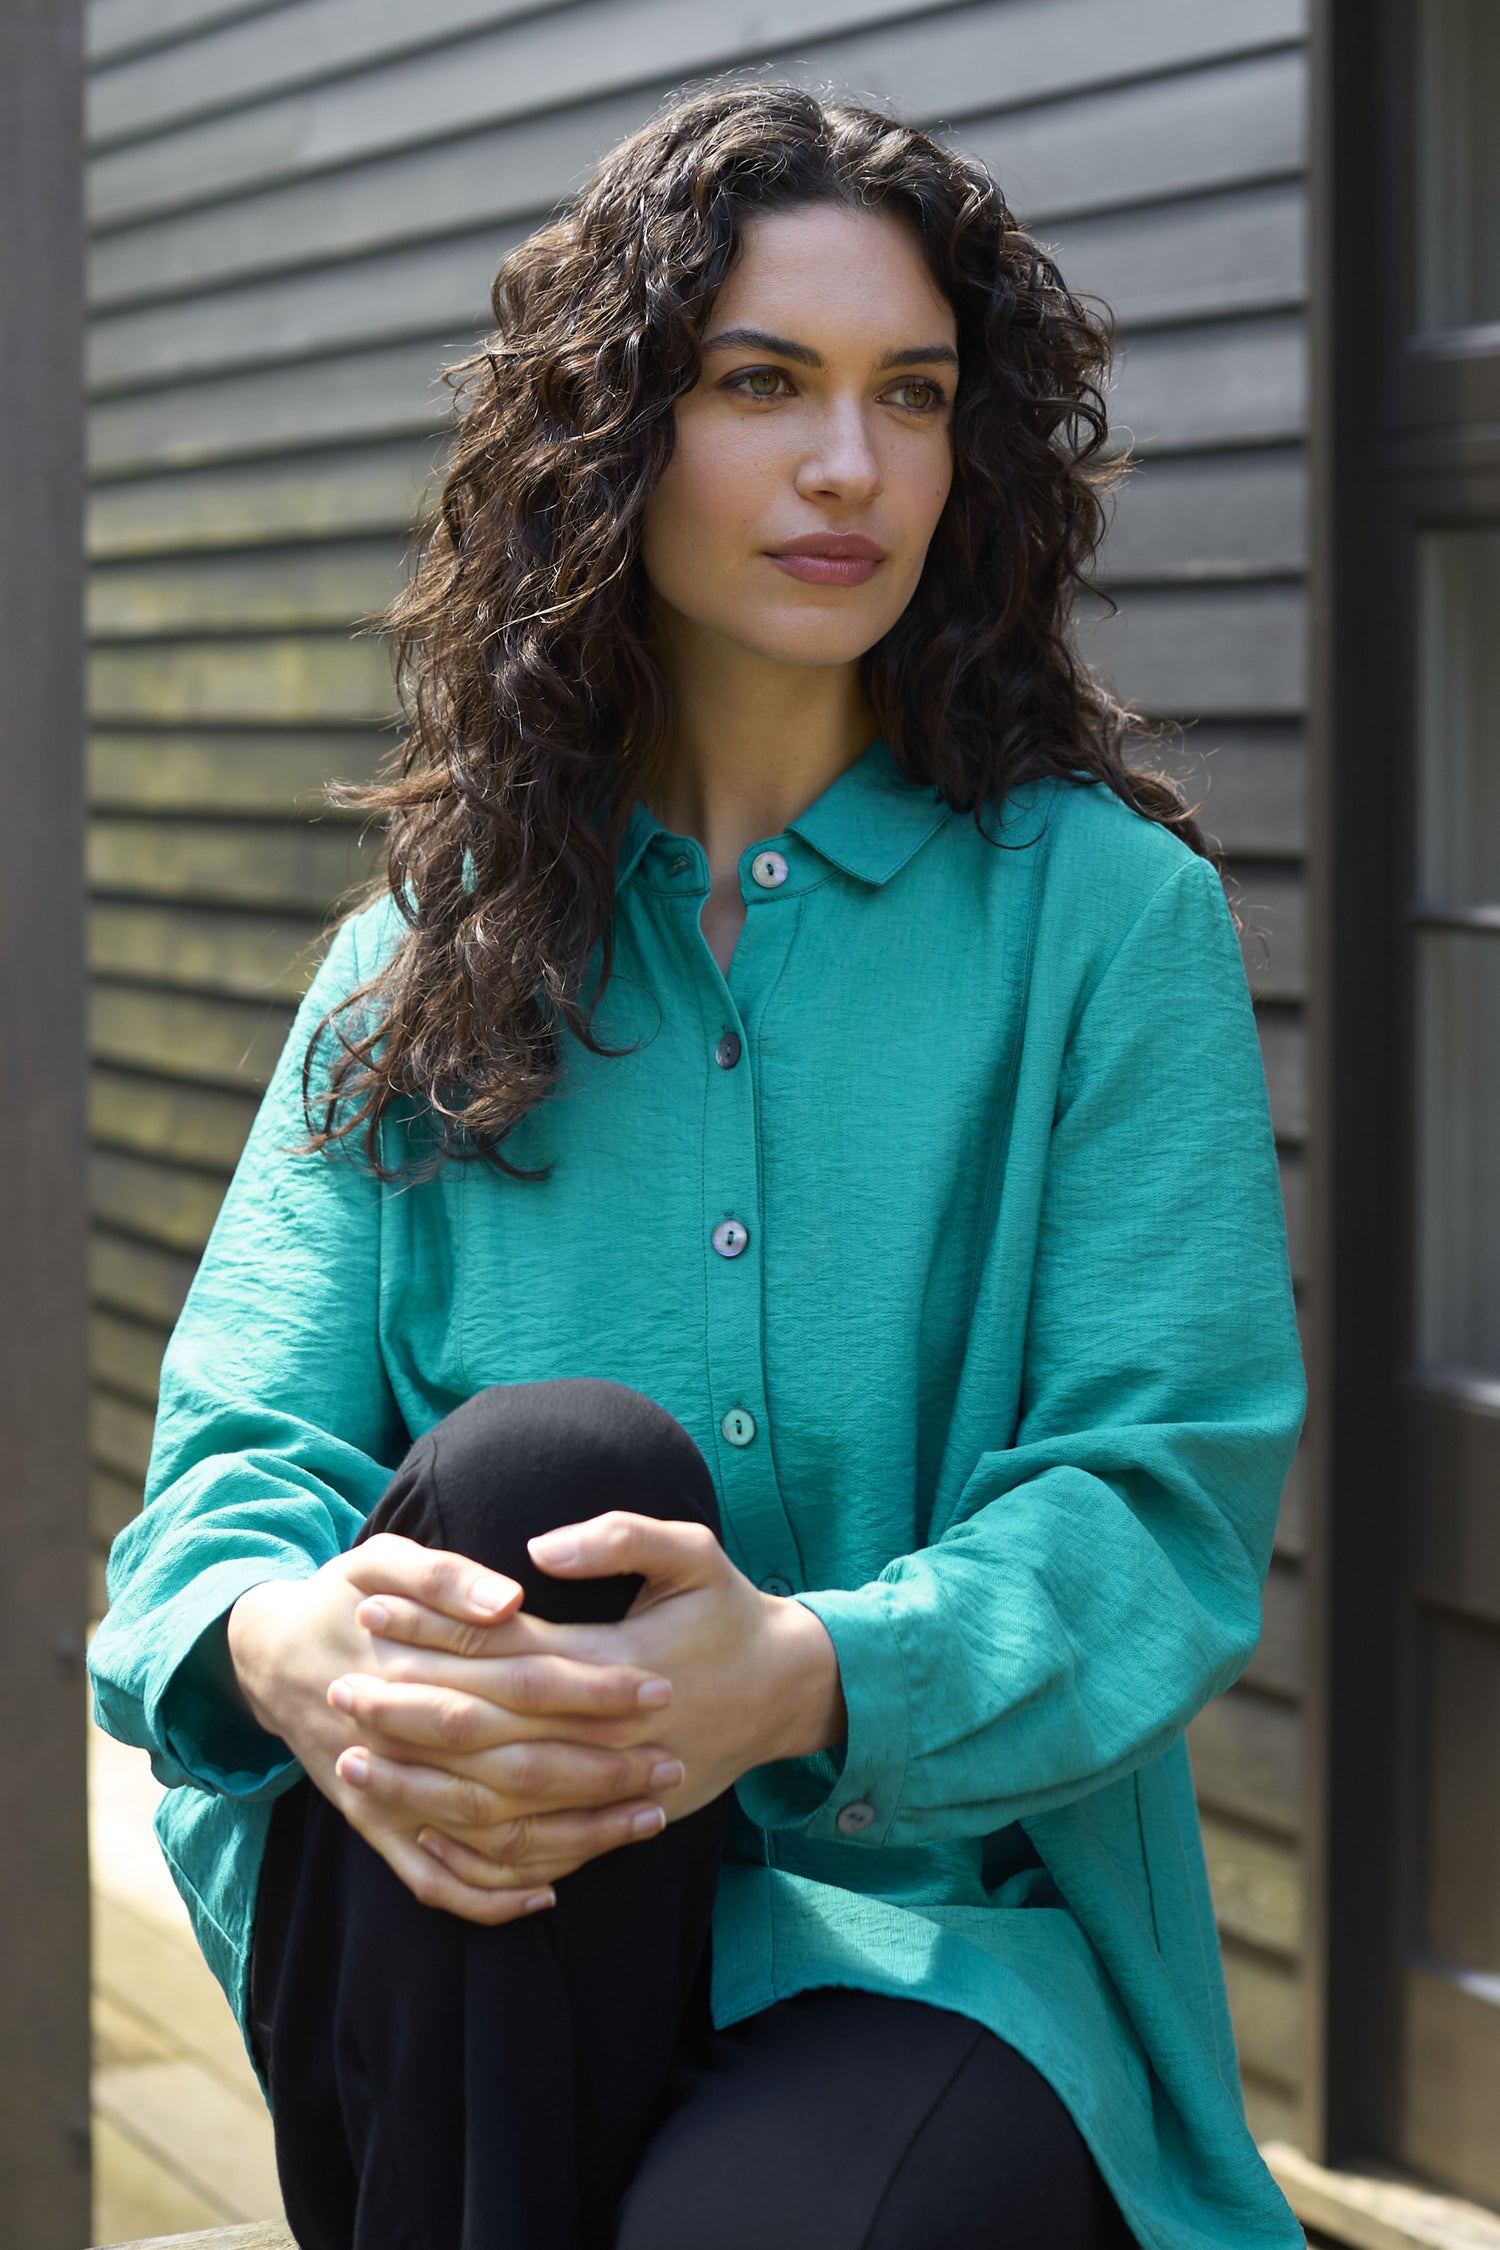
(752,743)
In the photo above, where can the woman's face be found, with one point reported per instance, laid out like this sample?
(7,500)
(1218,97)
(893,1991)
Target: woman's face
(814,454)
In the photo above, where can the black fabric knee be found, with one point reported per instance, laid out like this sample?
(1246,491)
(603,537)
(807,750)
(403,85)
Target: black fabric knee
(848,2120)
(440,2086)
(520,1458)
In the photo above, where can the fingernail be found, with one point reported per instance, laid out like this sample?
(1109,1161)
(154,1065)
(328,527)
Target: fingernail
(491,1593)
(553,1547)
(427,1838)
(374,1616)
(539,1899)
(654,1694)
(354,1767)
(648,1822)
(341,1696)
(667,1774)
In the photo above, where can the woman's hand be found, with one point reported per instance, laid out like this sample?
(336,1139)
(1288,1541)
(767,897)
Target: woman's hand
(543,1796)
(753,1676)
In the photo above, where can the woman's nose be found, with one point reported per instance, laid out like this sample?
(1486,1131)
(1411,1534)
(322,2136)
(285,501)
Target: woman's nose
(842,461)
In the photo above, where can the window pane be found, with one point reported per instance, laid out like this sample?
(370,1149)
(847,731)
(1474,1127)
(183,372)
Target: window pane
(1458,1152)
(1458,163)
(1458,749)
(1461,1731)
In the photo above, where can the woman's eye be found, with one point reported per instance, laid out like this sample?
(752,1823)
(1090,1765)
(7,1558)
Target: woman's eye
(930,396)
(758,382)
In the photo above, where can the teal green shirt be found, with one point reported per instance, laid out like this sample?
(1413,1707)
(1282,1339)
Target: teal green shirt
(1014,1327)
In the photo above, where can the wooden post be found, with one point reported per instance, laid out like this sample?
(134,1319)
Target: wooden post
(44,1981)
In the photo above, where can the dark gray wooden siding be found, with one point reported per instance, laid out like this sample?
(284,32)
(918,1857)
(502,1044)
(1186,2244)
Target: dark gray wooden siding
(296,212)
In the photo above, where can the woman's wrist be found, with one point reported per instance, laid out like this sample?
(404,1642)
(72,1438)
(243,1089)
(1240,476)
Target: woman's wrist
(249,1637)
(805,1709)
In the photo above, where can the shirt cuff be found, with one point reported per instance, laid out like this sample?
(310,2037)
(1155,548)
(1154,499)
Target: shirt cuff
(850,1795)
(206,1739)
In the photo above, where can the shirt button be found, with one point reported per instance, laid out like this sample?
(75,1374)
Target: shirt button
(738,1426)
(729,1238)
(769,869)
(727,1053)
(855,1819)
(782,1586)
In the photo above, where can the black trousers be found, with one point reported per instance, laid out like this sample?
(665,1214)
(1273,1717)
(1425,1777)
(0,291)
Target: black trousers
(557,2083)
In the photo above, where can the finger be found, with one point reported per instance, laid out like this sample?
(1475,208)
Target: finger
(553,1847)
(451,1583)
(671,1555)
(529,1681)
(432,1884)
(479,1739)
(517,1777)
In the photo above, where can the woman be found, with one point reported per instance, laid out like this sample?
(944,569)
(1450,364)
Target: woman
(791,1151)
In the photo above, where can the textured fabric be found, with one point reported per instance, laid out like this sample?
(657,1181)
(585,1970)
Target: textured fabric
(1015,1326)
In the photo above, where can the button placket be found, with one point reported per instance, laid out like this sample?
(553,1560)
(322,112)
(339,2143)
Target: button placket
(734,1226)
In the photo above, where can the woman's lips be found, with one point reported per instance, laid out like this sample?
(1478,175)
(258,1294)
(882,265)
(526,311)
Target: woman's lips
(830,559)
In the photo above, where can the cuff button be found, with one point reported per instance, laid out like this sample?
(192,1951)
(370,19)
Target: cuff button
(855,1819)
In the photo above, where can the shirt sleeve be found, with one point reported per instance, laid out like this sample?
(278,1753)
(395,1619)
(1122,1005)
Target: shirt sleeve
(275,1433)
(1100,1579)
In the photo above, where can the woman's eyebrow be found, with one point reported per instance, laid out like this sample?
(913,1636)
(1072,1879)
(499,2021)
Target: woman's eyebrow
(785,347)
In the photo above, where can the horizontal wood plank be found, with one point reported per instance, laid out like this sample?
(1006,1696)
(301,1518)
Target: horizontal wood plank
(1236,252)
(125,1355)
(1210,517)
(200,1125)
(298,867)
(158,1202)
(1279,1664)
(297,589)
(1231,382)
(296,680)
(1247,1756)
(1249,784)
(1271,903)
(114,1501)
(1258,1884)
(267,775)
(114,28)
(1226,651)
(350,398)
(1153,139)
(137,1277)
(120,1432)
(1283,1047)
(1027,49)
(214,1042)
(1265,2000)
(371,490)
(250,955)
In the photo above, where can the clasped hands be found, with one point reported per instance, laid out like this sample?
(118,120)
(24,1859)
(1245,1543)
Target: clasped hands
(485,1753)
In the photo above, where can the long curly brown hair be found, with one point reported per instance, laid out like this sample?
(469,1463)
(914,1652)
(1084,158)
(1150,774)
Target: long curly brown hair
(525,654)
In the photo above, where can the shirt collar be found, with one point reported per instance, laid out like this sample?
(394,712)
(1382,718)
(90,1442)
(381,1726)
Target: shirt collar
(868,822)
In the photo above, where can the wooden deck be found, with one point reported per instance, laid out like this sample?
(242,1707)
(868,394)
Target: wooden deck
(182,2139)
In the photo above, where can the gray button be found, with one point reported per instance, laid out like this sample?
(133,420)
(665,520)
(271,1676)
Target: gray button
(730,1237)
(855,1819)
(727,1053)
(769,869)
(738,1426)
(780,1586)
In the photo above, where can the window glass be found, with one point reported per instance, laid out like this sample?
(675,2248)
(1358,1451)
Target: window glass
(1458,734)
(1458,163)
(1458,1152)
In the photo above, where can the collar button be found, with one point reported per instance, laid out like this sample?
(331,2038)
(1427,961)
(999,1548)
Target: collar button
(770,870)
